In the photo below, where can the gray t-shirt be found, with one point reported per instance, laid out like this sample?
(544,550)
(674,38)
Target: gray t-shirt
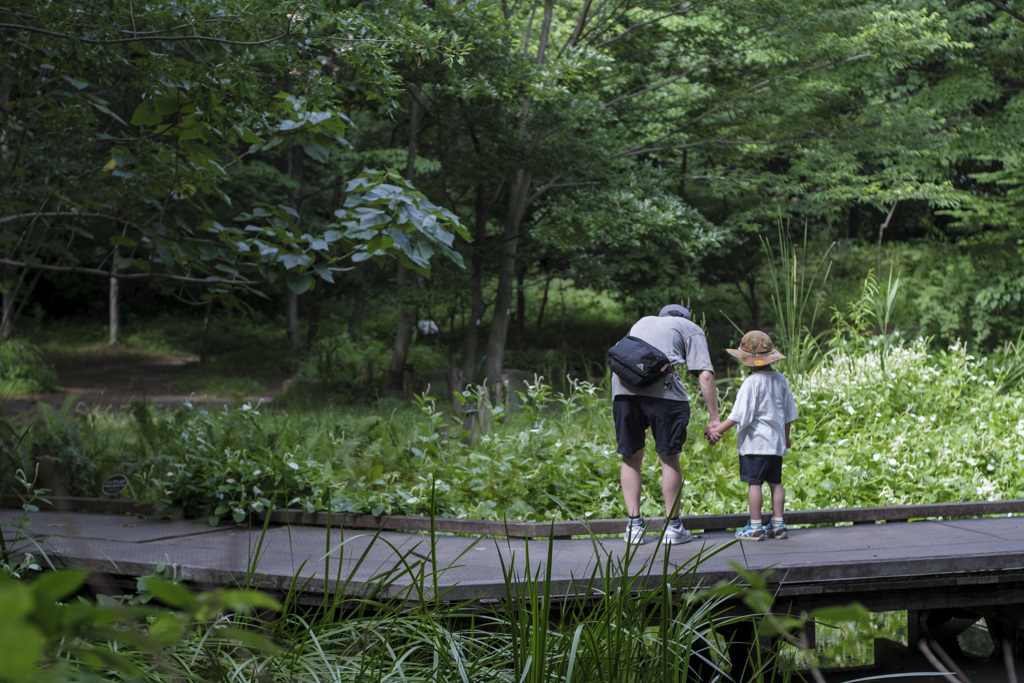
(684,344)
(764,405)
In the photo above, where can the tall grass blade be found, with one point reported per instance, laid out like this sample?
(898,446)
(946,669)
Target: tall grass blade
(796,297)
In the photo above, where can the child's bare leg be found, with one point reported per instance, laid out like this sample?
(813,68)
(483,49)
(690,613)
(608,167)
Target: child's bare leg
(754,501)
(778,500)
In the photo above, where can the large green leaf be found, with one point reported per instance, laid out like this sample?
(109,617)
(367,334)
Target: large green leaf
(21,642)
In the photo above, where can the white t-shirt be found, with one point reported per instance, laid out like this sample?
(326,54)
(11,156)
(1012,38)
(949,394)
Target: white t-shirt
(682,341)
(764,405)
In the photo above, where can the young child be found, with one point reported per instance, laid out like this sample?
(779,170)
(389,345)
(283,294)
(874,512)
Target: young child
(764,411)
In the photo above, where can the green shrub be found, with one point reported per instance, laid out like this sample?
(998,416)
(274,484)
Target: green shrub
(74,449)
(61,444)
(882,421)
(239,483)
(918,431)
(23,369)
(934,426)
(340,360)
(50,635)
(229,461)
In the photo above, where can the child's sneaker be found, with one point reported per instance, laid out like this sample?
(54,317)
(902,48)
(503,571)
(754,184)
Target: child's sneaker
(750,533)
(677,535)
(635,532)
(776,531)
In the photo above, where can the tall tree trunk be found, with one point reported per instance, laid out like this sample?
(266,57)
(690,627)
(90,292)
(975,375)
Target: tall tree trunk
(544,301)
(313,317)
(9,303)
(319,285)
(291,313)
(355,320)
(520,319)
(519,200)
(682,174)
(403,335)
(407,315)
(291,299)
(17,294)
(476,277)
(115,303)
(493,365)
(749,296)
(204,346)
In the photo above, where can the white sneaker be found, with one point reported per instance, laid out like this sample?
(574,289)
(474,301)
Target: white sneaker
(677,535)
(635,533)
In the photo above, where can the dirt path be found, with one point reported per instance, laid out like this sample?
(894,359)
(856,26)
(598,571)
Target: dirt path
(116,377)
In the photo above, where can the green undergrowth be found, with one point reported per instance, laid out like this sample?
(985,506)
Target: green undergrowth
(884,419)
(219,385)
(24,369)
(933,426)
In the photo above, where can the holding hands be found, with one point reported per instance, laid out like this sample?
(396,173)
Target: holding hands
(714,431)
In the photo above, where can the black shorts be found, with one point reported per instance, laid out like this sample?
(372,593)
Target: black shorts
(667,419)
(758,469)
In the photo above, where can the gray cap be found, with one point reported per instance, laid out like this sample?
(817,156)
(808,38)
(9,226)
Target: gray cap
(675,310)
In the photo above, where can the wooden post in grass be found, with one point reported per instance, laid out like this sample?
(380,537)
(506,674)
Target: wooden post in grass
(483,412)
(455,383)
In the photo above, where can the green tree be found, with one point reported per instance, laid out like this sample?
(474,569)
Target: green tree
(980,90)
(599,130)
(121,127)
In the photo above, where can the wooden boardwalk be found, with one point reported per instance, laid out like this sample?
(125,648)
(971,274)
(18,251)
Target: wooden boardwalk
(927,564)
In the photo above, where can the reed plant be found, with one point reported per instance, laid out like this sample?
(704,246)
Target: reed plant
(1009,361)
(797,283)
(866,326)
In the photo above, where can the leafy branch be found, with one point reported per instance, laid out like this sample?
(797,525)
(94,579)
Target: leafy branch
(138,38)
(118,275)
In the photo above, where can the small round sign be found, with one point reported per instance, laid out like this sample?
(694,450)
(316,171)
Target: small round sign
(114,485)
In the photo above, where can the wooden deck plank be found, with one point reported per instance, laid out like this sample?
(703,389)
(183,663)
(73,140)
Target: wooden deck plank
(562,529)
(859,562)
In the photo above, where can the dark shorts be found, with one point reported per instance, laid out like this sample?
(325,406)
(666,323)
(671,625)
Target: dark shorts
(758,469)
(667,420)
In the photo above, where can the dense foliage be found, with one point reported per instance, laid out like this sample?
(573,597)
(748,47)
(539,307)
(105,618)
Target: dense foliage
(249,154)
(136,143)
(217,151)
(923,429)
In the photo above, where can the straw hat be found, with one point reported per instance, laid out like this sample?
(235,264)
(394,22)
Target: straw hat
(756,350)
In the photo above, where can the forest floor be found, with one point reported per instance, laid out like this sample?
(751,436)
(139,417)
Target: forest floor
(114,377)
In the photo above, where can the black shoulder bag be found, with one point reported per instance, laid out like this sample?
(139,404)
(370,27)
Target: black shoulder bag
(638,363)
